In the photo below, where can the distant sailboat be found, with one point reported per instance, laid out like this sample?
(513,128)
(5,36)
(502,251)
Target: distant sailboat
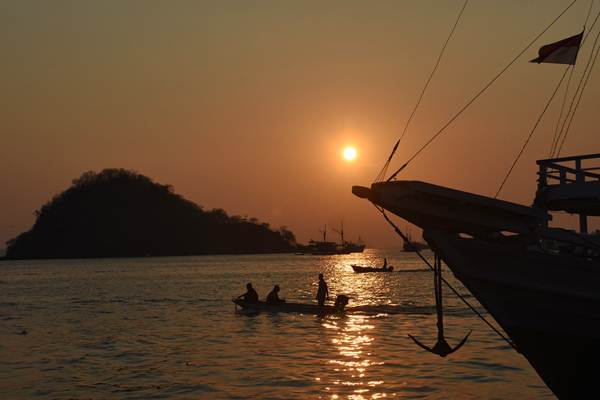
(412,245)
(346,246)
(325,247)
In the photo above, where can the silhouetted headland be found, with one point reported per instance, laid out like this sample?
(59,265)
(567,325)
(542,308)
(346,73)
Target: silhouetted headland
(120,213)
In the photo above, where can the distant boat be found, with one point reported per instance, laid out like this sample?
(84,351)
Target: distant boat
(362,269)
(303,308)
(412,245)
(329,248)
(354,247)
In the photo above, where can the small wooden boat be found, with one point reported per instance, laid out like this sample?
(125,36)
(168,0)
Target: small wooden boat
(261,306)
(361,269)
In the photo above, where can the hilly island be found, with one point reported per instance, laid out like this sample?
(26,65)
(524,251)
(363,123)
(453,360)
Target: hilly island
(120,213)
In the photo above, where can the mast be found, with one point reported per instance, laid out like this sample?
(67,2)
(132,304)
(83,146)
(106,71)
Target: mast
(324,233)
(341,231)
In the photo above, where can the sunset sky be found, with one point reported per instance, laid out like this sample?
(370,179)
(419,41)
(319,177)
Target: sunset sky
(248,105)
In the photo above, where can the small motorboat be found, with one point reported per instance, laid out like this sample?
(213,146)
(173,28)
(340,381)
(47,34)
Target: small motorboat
(361,269)
(338,308)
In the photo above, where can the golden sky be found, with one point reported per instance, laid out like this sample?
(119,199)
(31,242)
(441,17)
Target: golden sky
(247,105)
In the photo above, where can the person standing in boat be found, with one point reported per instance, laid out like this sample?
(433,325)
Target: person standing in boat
(250,296)
(322,292)
(384,264)
(273,296)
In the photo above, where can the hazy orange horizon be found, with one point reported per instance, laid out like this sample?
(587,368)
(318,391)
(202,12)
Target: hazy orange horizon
(247,106)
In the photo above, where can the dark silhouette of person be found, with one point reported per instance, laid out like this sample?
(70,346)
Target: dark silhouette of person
(322,292)
(250,296)
(384,264)
(273,296)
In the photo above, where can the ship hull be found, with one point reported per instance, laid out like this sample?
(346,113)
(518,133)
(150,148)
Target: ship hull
(548,304)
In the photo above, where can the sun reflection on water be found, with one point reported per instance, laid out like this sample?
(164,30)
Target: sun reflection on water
(357,366)
(353,344)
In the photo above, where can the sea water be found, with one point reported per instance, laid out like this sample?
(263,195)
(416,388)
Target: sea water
(165,328)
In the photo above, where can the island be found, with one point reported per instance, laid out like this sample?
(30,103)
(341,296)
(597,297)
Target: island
(121,213)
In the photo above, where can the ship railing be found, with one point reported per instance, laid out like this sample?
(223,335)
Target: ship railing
(569,180)
(567,170)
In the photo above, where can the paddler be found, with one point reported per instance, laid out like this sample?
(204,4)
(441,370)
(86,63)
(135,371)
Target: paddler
(322,292)
(250,296)
(273,296)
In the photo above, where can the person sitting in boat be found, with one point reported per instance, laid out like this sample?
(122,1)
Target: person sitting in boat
(385,267)
(250,296)
(322,292)
(273,296)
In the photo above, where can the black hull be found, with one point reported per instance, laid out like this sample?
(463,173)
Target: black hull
(546,301)
(548,304)
(568,364)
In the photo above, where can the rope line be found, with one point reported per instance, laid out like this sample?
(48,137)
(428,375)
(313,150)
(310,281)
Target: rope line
(562,108)
(587,77)
(383,171)
(401,234)
(443,128)
(532,131)
(588,14)
(575,95)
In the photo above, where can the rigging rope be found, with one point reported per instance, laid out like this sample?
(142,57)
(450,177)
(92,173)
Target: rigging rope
(532,131)
(562,108)
(383,171)
(403,236)
(562,131)
(587,17)
(597,49)
(443,128)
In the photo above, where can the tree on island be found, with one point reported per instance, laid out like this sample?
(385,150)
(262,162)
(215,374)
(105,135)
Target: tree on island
(120,213)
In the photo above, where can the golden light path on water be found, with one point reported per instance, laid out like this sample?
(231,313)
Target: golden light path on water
(353,345)
(353,340)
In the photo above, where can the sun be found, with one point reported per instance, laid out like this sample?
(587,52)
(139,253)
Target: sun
(349,153)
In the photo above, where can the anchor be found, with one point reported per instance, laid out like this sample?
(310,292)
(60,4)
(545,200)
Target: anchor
(441,348)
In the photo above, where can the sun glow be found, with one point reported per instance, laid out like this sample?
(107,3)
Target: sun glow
(349,153)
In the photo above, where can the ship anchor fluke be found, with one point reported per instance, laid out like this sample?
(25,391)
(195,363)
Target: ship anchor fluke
(441,348)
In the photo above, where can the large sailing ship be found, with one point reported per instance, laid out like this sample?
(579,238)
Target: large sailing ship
(540,283)
(324,247)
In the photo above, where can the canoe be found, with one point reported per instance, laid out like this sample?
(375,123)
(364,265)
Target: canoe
(361,269)
(261,306)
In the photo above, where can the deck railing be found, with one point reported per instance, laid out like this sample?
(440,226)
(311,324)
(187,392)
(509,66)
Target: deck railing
(569,170)
(566,170)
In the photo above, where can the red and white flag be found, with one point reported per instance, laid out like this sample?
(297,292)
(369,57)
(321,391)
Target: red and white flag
(561,52)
